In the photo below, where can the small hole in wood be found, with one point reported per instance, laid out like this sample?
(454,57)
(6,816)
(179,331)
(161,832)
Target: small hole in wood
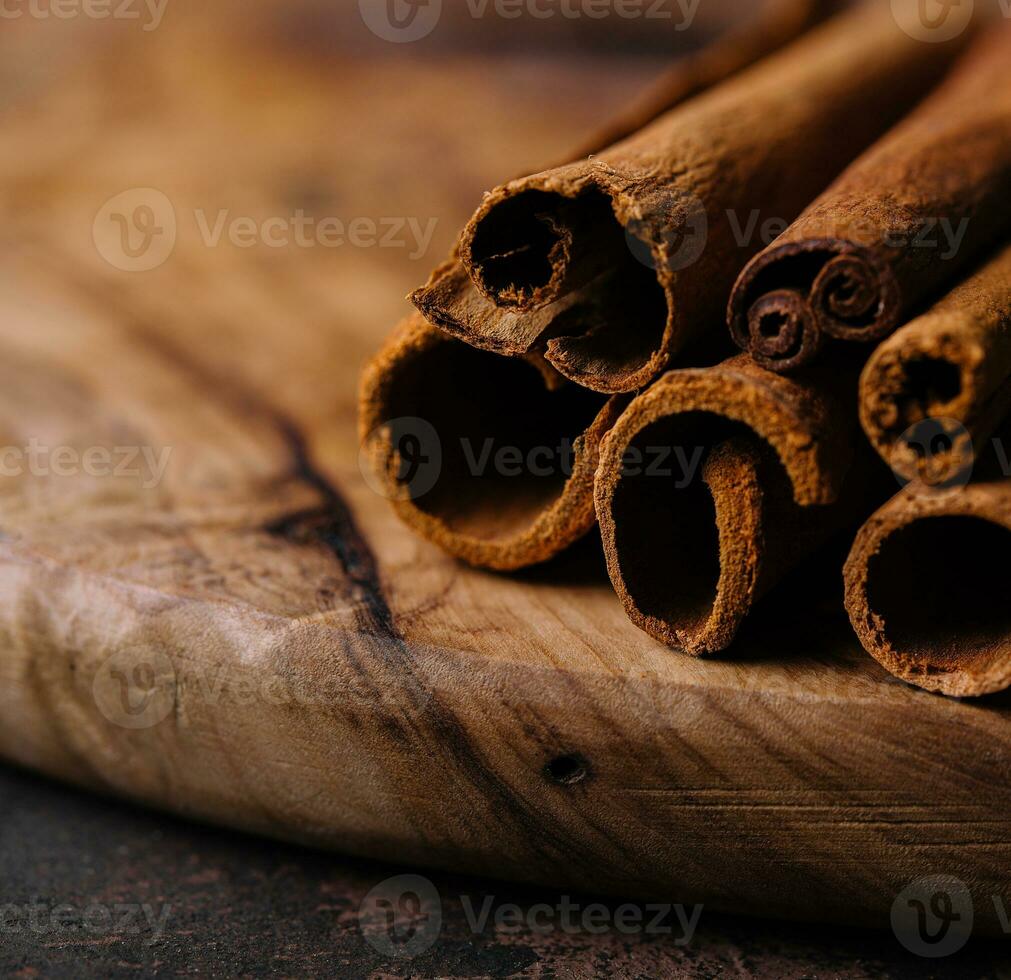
(567,770)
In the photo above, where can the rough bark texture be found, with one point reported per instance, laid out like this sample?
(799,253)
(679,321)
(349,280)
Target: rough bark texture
(884,238)
(471,519)
(774,24)
(689,554)
(612,265)
(953,363)
(449,300)
(927,587)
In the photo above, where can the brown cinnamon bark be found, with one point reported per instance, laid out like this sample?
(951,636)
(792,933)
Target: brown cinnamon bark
(928,585)
(494,521)
(953,363)
(611,265)
(490,458)
(885,237)
(767,27)
(450,300)
(771,473)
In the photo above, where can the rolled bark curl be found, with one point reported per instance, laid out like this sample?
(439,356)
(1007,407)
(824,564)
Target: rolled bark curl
(410,393)
(611,266)
(852,296)
(776,476)
(867,253)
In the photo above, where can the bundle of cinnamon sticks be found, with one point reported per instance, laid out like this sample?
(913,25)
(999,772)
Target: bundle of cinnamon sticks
(779,291)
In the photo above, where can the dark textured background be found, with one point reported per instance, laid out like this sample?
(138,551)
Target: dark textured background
(247,907)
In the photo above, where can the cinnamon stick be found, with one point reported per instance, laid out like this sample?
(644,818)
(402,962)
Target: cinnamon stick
(766,27)
(897,226)
(927,588)
(949,369)
(437,390)
(610,266)
(716,482)
(490,458)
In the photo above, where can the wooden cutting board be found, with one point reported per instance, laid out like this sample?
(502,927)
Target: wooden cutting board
(251,638)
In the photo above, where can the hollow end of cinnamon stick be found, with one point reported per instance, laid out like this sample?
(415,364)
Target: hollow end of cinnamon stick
(792,298)
(612,266)
(927,589)
(855,264)
(525,251)
(908,388)
(490,458)
(593,299)
(708,492)
(688,558)
(949,370)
